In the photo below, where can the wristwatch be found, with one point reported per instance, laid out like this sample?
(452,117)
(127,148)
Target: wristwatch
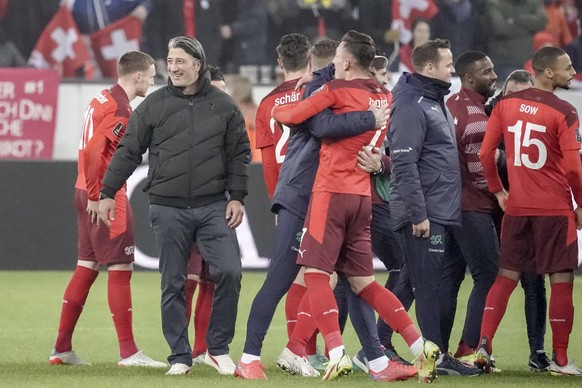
(380,171)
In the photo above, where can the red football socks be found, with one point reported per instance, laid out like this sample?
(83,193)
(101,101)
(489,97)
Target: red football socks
(561,313)
(390,310)
(292,302)
(495,306)
(73,301)
(202,317)
(324,308)
(304,328)
(189,290)
(119,298)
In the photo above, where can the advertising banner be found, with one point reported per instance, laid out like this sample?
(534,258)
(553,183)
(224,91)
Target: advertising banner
(28,108)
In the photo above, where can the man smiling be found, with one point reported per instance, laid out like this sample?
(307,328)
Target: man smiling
(477,238)
(198,155)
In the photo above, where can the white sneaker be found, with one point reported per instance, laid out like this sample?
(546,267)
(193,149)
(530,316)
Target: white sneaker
(199,359)
(295,365)
(178,369)
(223,364)
(66,358)
(140,359)
(567,370)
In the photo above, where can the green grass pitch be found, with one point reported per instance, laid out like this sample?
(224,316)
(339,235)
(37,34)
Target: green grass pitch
(29,314)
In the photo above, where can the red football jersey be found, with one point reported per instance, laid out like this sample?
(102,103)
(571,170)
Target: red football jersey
(537,126)
(270,134)
(338,171)
(105,122)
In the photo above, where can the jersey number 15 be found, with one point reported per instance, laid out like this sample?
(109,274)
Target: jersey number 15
(523,139)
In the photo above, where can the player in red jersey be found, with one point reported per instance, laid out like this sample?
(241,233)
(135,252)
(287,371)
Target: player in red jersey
(336,235)
(105,122)
(293,59)
(539,228)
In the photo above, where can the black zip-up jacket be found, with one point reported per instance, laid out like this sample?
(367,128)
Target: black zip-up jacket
(423,150)
(198,147)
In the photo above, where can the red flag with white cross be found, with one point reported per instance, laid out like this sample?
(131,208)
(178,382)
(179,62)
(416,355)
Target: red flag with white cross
(60,45)
(110,43)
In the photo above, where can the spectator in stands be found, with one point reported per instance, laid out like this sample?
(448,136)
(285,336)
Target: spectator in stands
(541,39)
(374,17)
(512,26)
(248,36)
(456,21)
(167,21)
(202,20)
(557,25)
(420,34)
(241,90)
(92,16)
(571,13)
(25,19)
(197,18)
(9,54)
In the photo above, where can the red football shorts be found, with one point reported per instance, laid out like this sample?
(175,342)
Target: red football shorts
(336,235)
(542,244)
(98,243)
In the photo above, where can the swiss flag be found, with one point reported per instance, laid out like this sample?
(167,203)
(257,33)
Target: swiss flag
(405,11)
(60,45)
(110,43)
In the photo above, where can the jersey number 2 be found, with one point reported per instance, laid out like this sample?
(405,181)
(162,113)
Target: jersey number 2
(276,126)
(523,139)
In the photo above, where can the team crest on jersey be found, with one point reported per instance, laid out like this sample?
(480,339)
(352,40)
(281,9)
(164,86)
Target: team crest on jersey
(436,239)
(118,128)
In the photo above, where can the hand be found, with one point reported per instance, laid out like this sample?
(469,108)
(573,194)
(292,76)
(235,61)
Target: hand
(234,213)
(578,214)
(106,211)
(497,155)
(225,32)
(140,12)
(307,78)
(381,114)
(370,159)
(422,229)
(502,197)
(92,210)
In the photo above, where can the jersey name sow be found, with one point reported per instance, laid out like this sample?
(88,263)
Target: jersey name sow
(528,109)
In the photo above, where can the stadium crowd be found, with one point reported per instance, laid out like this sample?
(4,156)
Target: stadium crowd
(240,36)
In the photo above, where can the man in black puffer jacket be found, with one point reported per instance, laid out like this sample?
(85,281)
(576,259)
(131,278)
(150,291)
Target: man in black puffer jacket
(198,174)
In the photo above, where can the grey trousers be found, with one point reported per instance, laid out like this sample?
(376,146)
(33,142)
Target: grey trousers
(176,230)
